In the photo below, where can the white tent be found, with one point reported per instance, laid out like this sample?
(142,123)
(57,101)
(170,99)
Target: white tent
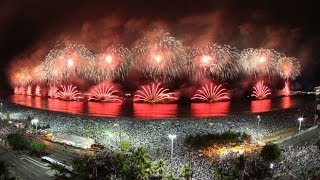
(73,140)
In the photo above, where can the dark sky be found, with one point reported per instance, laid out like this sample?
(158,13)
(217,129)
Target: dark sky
(291,27)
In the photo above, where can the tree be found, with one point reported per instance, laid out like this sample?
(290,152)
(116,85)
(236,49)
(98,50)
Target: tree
(59,171)
(17,141)
(142,172)
(270,152)
(142,163)
(4,172)
(125,145)
(83,167)
(170,177)
(239,166)
(37,147)
(160,167)
(186,172)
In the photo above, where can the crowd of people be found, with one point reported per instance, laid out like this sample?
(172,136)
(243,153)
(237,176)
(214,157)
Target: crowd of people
(300,161)
(153,134)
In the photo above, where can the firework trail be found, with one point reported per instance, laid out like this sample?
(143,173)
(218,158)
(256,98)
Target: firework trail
(38,91)
(153,94)
(20,90)
(211,93)
(260,91)
(53,92)
(104,93)
(29,91)
(69,93)
(286,90)
(159,56)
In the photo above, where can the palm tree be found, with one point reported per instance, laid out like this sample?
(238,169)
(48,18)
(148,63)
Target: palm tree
(142,163)
(170,177)
(141,156)
(186,172)
(142,172)
(161,167)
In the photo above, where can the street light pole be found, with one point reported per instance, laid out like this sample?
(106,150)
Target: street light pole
(259,119)
(300,119)
(172,137)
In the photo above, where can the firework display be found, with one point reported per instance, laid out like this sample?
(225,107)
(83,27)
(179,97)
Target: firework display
(104,93)
(156,57)
(153,94)
(288,67)
(211,93)
(213,60)
(38,91)
(159,56)
(113,63)
(20,90)
(53,92)
(286,90)
(69,93)
(29,91)
(260,91)
(66,61)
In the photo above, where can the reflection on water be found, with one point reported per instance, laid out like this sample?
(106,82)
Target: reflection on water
(73,107)
(210,109)
(142,110)
(286,102)
(258,106)
(158,111)
(104,109)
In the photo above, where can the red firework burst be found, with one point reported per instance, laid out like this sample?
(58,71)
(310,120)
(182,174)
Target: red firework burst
(69,93)
(153,94)
(260,91)
(104,93)
(211,93)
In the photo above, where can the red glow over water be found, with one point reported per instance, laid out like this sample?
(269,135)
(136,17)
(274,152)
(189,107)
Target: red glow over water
(142,110)
(161,111)
(210,109)
(73,107)
(286,102)
(260,105)
(104,109)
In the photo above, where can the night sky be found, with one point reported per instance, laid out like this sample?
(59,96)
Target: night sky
(291,27)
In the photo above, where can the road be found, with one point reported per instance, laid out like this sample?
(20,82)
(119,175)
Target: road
(26,167)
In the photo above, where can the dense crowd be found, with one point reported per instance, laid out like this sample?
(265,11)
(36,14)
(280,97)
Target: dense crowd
(153,134)
(300,161)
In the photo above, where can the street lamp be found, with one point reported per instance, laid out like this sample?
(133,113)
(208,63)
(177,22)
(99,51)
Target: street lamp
(259,119)
(35,121)
(172,137)
(300,119)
